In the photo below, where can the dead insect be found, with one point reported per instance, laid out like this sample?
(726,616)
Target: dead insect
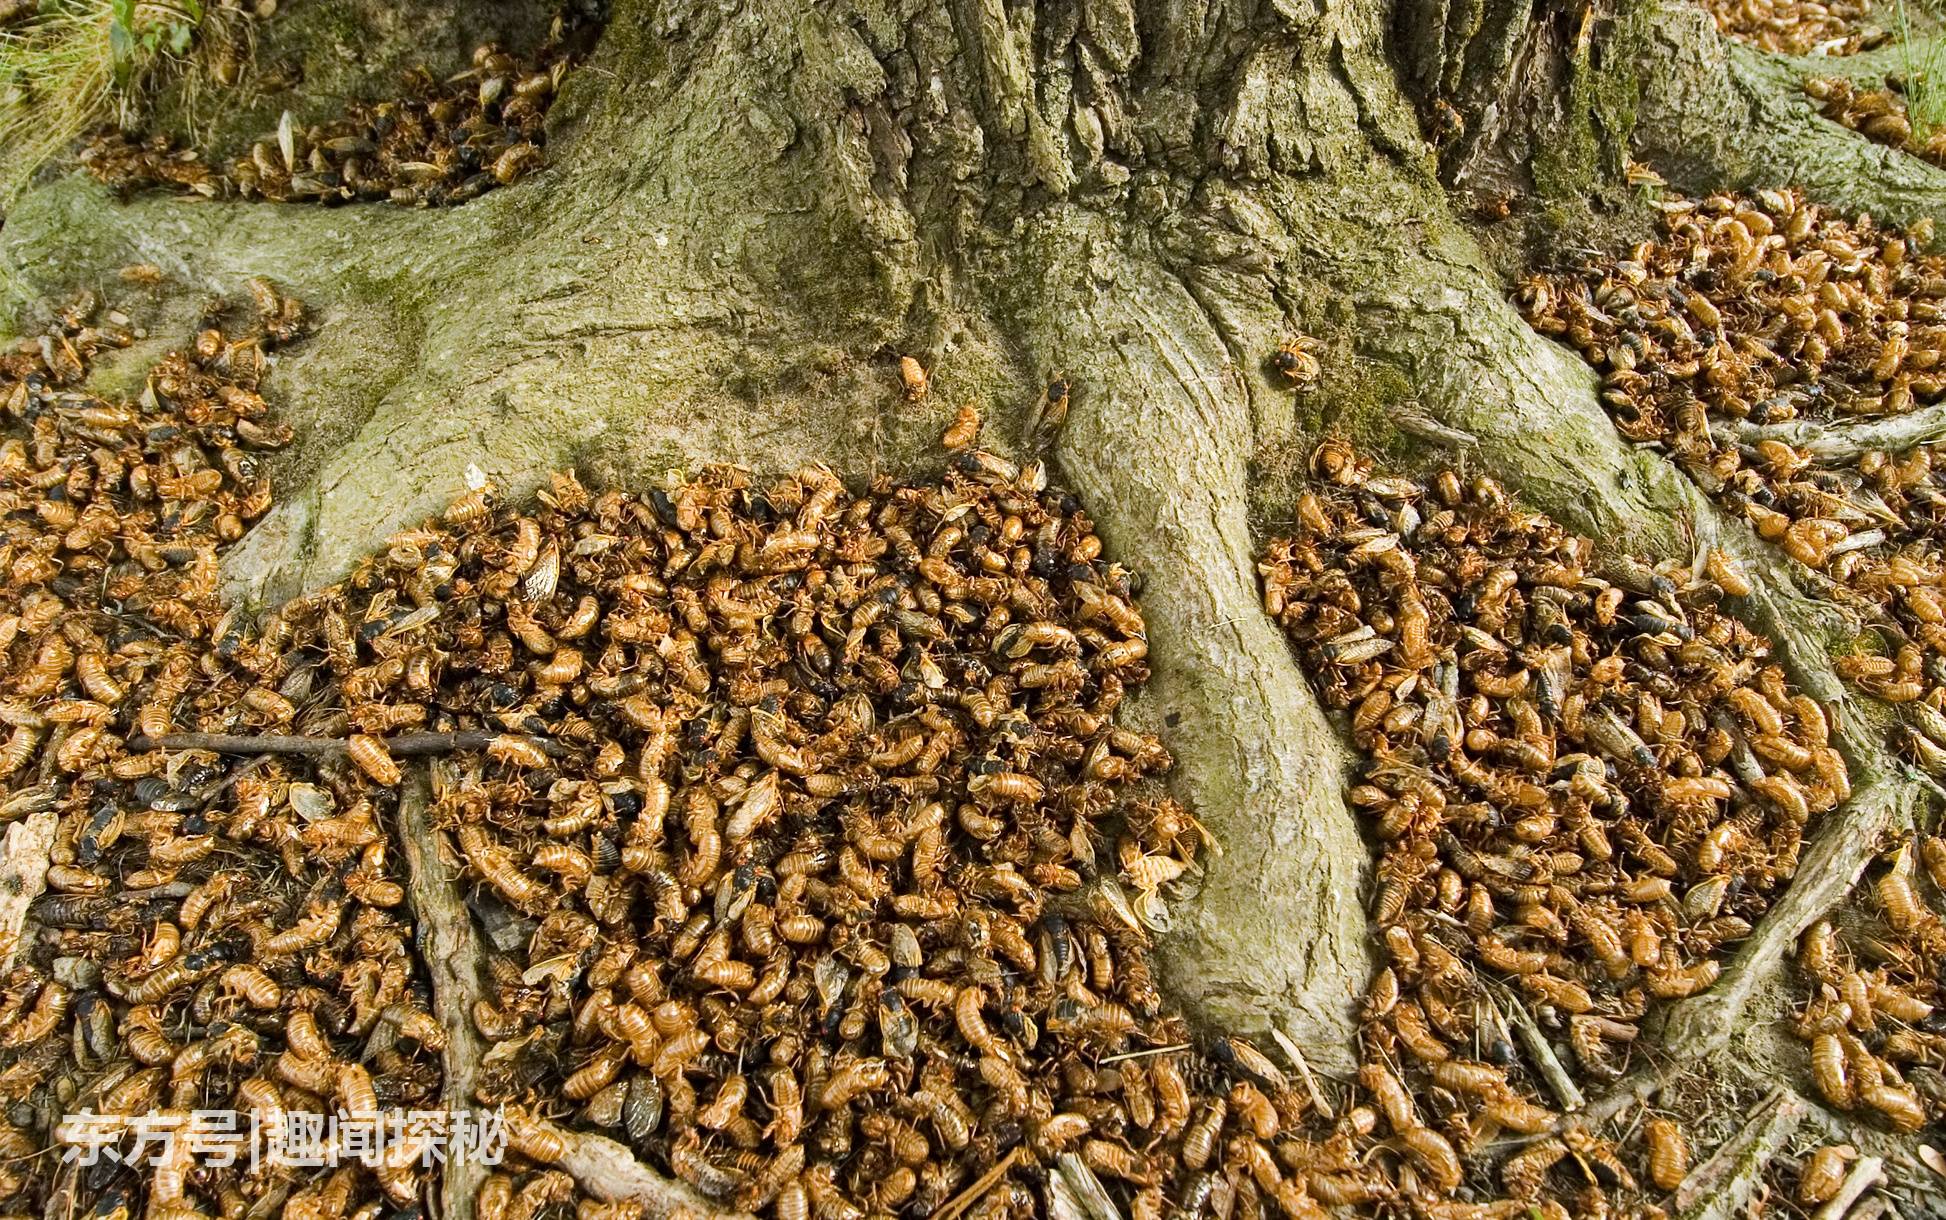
(1668,1153)
(373,758)
(914,379)
(1297,361)
(963,431)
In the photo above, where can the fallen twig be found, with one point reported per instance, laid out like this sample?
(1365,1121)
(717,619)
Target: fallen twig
(1836,444)
(405,745)
(971,1195)
(1866,1173)
(1845,842)
(1640,1090)
(1290,1047)
(1638,1087)
(1545,1061)
(1147,1051)
(1719,1187)
(609,1171)
(207,797)
(453,956)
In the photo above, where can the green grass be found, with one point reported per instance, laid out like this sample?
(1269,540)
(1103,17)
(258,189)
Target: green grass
(1923,62)
(76,64)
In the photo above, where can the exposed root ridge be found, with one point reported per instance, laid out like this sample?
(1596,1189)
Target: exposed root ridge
(454,960)
(1832,444)
(1720,1187)
(1717,115)
(1615,488)
(1846,841)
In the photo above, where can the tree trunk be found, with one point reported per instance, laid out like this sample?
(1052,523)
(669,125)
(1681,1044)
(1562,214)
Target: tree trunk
(751,210)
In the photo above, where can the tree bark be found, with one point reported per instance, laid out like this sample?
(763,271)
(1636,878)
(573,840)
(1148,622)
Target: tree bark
(750,211)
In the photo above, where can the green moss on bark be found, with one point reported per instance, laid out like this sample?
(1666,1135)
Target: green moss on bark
(1587,151)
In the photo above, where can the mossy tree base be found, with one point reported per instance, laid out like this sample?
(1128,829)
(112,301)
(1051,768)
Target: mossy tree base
(750,214)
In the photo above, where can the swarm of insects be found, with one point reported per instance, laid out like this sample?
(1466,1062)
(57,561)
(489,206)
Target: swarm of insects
(815,865)
(809,830)
(1798,27)
(442,142)
(1873,973)
(1587,784)
(1876,114)
(813,862)
(1751,342)
(210,935)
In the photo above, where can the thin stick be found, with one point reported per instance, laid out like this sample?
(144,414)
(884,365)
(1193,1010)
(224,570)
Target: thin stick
(1637,1088)
(1153,1050)
(453,955)
(971,1195)
(207,796)
(1545,1062)
(405,745)
(1867,1173)
(1289,1047)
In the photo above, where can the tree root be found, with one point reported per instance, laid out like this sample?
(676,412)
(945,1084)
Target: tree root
(1838,444)
(1276,936)
(451,951)
(1701,1025)
(1719,1188)
(1158,446)
(450,946)
(609,1171)
(1717,115)
(1539,427)
(488,337)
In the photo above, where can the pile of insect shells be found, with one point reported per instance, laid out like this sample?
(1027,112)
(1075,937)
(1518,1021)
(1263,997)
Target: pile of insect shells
(1798,27)
(1586,787)
(209,933)
(1873,976)
(441,143)
(822,872)
(1745,342)
(1879,115)
(814,864)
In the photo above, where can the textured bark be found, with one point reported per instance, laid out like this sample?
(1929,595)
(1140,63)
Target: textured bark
(1523,96)
(752,210)
(1719,116)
